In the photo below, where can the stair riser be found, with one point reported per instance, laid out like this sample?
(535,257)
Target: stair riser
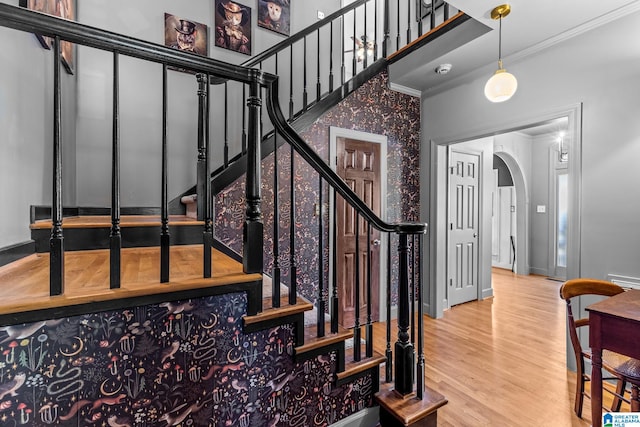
(77,239)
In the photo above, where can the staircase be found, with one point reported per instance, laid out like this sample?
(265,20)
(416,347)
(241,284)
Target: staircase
(208,293)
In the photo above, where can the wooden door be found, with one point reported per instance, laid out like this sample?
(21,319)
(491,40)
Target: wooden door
(464,187)
(358,163)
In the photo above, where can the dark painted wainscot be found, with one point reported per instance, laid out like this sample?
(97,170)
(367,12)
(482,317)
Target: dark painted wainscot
(180,363)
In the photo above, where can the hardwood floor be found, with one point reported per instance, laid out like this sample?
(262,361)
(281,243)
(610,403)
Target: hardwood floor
(502,361)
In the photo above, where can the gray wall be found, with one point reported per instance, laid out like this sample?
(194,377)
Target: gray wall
(564,75)
(26,131)
(141,100)
(26,106)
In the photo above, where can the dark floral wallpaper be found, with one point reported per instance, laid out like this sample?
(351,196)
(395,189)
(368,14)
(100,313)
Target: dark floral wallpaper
(373,108)
(180,363)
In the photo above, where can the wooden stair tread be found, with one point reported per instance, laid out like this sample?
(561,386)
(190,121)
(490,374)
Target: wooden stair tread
(313,342)
(352,367)
(87,277)
(408,409)
(270,313)
(104,221)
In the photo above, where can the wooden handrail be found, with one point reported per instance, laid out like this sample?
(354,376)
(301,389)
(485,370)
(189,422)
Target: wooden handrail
(328,174)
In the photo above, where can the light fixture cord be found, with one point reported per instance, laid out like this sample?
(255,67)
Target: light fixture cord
(500,44)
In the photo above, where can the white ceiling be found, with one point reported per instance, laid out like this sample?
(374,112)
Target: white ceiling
(531,27)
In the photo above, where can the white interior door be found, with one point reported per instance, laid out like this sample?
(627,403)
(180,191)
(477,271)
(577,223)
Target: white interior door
(464,186)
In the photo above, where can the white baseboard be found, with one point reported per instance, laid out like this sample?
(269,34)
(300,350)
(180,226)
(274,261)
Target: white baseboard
(368,417)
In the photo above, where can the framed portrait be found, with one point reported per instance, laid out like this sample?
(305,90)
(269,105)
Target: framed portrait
(66,9)
(274,15)
(63,9)
(43,7)
(186,35)
(233,26)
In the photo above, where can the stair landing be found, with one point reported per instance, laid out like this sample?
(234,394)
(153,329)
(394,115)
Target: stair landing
(99,221)
(24,284)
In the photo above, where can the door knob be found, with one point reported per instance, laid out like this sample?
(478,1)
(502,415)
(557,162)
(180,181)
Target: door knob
(375,242)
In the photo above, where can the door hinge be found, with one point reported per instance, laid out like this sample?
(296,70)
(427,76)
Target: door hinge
(450,282)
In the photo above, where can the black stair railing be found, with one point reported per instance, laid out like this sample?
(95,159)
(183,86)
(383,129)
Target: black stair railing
(205,69)
(253,82)
(330,52)
(407,365)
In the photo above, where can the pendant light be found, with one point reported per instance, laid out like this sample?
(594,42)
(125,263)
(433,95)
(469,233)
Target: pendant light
(502,85)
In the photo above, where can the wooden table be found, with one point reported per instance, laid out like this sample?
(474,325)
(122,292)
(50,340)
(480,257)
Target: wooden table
(614,324)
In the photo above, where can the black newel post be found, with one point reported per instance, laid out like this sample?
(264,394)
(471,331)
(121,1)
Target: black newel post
(403,348)
(207,235)
(252,235)
(201,172)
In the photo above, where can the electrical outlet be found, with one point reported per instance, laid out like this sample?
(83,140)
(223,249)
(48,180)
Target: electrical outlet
(320,14)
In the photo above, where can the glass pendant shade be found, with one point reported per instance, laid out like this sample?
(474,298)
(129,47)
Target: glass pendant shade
(501,86)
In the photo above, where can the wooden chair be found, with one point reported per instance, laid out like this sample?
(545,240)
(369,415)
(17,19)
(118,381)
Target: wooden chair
(623,369)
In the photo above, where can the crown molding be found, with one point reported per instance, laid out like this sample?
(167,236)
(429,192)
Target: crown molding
(576,31)
(405,89)
(621,12)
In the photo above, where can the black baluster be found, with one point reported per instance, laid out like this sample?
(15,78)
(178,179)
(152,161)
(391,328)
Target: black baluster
(275,300)
(115,238)
(408,22)
(275,284)
(318,85)
(446,11)
(321,298)
(343,69)
(207,240)
(331,57)
(386,29)
(304,75)
(388,353)
(420,16)
(420,367)
(334,297)
(253,240)
(375,31)
(226,125)
(433,14)
(365,59)
(354,60)
(356,291)
(369,349)
(293,285)
(403,347)
(398,23)
(165,238)
(244,121)
(291,83)
(56,242)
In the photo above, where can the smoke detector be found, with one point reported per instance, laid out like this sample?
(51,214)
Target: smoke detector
(443,68)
